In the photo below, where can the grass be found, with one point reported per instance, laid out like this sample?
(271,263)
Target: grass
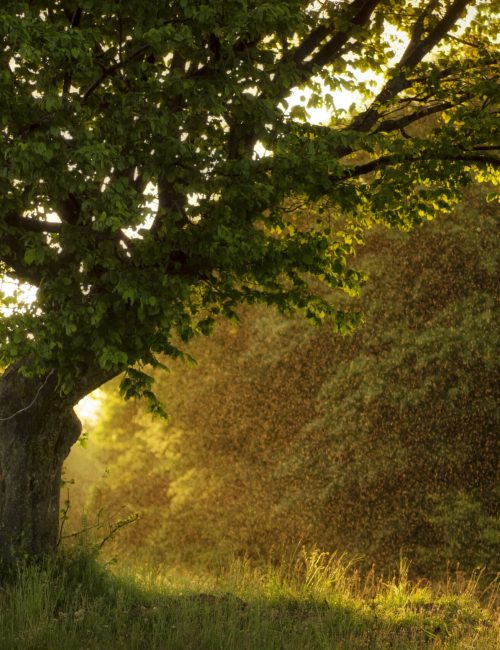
(318,601)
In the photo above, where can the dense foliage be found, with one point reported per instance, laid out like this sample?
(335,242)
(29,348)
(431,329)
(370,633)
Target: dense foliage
(149,150)
(379,443)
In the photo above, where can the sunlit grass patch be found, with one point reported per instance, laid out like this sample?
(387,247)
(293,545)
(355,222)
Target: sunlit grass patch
(319,601)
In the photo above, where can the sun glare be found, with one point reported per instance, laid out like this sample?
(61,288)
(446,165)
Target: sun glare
(88,408)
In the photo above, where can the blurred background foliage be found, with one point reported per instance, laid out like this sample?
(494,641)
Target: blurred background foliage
(378,444)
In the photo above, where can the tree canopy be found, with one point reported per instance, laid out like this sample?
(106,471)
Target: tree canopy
(153,161)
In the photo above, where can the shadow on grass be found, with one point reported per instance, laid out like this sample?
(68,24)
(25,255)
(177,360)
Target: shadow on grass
(76,604)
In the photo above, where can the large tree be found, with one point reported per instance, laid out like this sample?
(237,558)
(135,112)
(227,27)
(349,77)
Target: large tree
(151,165)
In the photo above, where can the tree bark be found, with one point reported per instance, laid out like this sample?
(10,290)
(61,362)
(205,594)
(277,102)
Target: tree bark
(37,430)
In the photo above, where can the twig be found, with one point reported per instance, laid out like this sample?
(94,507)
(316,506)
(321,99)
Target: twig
(106,72)
(64,517)
(31,404)
(116,527)
(83,530)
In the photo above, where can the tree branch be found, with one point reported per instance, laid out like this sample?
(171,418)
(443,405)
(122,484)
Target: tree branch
(111,71)
(169,199)
(419,27)
(464,42)
(32,225)
(318,35)
(329,52)
(68,209)
(367,168)
(400,123)
(487,147)
(413,55)
(28,406)
(384,161)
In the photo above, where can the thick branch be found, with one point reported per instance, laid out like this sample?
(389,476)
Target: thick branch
(487,147)
(243,45)
(385,161)
(32,225)
(419,27)
(329,52)
(318,35)
(416,54)
(367,168)
(68,209)
(169,200)
(400,123)
(398,80)
(310,43)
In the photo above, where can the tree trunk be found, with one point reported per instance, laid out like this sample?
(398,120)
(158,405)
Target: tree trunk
(37,430)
